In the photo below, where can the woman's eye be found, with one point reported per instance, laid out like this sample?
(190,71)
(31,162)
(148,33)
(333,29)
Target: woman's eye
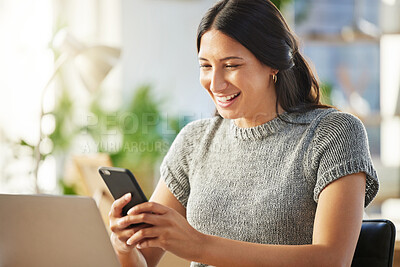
(204,66)
(232,66)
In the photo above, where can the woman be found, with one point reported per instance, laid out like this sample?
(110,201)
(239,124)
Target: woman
(276,179)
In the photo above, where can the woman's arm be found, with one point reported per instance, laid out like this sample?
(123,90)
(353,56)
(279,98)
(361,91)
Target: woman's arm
(336,229)
(162,195)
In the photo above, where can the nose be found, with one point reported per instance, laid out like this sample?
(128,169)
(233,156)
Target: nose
(218,82)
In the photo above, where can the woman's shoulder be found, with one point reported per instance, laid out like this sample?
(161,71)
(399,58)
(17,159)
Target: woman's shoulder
(201,126)
(337,120)
(335,127)
(332,124)
(329,118)
(193,135)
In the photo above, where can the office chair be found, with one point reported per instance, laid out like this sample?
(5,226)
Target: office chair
(375,245)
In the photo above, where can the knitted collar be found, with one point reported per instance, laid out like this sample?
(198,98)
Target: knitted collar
(260,131)
(273,126)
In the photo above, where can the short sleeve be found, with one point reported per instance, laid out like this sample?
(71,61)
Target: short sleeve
(340,148)
(176,164)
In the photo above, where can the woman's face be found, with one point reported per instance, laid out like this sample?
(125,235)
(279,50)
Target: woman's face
(239,84)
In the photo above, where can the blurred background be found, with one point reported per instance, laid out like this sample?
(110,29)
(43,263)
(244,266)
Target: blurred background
(106,82)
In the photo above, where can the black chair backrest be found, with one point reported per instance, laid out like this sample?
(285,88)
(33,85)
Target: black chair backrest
(375,245)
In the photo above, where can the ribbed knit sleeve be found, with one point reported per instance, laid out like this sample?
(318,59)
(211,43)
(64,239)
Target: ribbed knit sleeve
(175,166)
(339,148)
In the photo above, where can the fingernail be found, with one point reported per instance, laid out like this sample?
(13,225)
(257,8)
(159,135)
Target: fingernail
(129,242)
(139,245)
(127,196)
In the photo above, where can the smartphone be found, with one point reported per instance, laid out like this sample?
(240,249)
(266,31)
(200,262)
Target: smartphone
(120,182)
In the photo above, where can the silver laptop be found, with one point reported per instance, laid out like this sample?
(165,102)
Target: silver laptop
(56,231)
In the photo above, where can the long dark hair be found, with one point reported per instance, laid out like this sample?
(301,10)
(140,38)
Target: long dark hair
(260,27)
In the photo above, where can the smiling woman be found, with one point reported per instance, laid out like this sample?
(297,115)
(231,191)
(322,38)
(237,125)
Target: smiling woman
(239,84)
(272,44)
(276,176)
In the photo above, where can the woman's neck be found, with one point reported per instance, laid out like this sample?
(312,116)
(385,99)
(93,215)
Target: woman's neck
(258,119)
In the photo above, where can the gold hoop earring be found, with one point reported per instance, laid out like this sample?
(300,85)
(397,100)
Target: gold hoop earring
(274,77)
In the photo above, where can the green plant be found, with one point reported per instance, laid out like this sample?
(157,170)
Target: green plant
(65,129)
(136,136)
(326,93)
(68,189)
(280,3)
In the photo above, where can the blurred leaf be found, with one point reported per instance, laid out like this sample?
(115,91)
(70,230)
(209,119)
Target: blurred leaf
(65,129)
(68,189)
(326,93)
(24,143)
(280,3)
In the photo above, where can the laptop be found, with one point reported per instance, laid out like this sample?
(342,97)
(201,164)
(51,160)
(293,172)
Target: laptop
(46,230)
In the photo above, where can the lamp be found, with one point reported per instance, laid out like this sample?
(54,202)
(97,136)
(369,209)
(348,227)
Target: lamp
(92,63)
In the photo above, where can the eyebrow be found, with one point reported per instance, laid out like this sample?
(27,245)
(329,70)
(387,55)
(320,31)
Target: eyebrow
(222,59)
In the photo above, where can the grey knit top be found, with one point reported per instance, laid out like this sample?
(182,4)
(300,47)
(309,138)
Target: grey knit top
(262,184)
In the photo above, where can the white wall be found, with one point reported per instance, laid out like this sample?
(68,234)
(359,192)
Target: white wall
(390,92)
(159,47)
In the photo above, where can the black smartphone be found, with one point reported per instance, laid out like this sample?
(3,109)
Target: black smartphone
(120,182)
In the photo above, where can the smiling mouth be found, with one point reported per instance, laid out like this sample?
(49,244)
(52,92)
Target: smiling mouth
(227,99)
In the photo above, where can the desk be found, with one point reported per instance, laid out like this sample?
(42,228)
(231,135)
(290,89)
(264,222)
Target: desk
(170,259)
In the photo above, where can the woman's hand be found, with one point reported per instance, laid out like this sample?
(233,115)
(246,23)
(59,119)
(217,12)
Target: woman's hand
(120,233)
(169,231)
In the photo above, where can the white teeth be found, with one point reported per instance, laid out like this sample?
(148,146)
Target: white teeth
(226,98)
